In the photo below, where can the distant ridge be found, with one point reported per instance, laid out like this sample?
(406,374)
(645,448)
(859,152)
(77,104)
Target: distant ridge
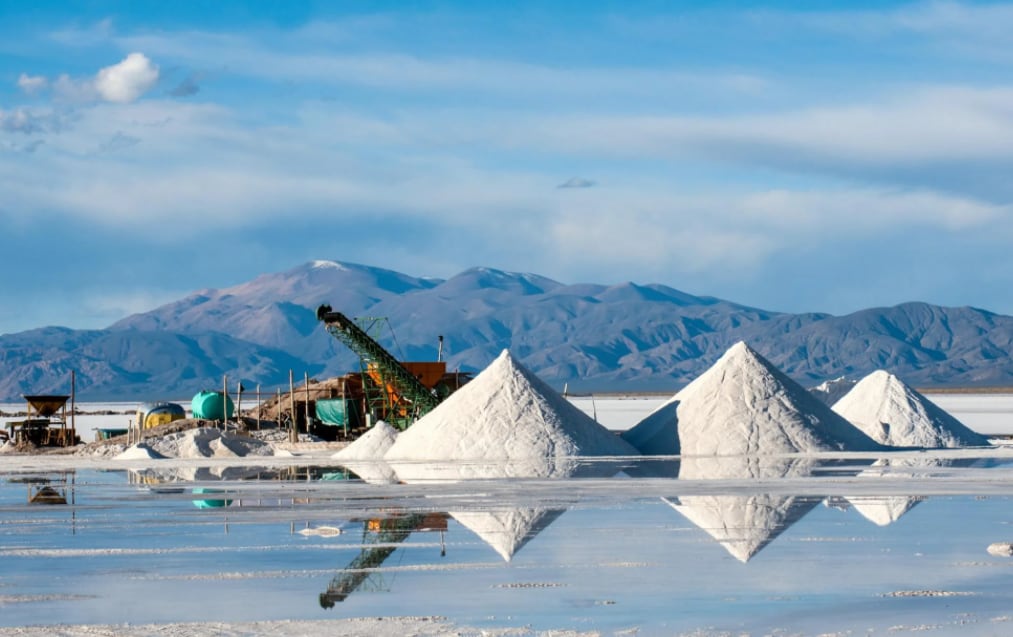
(594,337)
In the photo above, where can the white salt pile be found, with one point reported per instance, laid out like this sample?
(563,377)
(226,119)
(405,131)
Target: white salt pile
(506,413)
(208,442)
(744,405)
(509,530)
(744,525)
(364,456)
(829,392)
(896,415)
(1001,549)
(140,451)
(372,445)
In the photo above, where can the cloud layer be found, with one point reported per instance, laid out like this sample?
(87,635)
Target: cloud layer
(727,172)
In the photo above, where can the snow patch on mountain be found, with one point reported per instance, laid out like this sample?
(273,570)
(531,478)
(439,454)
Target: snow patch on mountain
(831,391)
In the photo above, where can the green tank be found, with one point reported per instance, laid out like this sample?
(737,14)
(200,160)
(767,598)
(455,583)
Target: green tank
(212,405)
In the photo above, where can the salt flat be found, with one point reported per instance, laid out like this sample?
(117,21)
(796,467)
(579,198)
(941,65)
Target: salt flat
(233,546)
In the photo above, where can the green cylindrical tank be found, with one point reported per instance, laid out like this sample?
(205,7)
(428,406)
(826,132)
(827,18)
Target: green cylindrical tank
(208,405)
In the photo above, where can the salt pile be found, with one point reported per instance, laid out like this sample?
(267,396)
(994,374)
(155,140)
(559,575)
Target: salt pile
(744,525)
(140,451)
(364,456)
(372,445)
(506,413)
(744,405)
(896,415)
(832,390)
(208,442)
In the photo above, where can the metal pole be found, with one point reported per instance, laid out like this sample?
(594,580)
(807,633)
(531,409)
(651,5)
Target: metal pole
(293,435)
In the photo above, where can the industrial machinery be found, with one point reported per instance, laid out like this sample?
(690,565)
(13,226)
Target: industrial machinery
(42,427)
(397,392)
(380,538)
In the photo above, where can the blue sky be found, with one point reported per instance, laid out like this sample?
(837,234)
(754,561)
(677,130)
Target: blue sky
(825,159)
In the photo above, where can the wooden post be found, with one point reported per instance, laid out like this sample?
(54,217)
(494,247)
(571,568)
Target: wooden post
(225,401)
(306,379)
(73,400)
(258,406)
(239,404)
(293,435)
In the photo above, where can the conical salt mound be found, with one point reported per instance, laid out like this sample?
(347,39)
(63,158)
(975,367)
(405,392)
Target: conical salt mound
(745,405)
(896,415)
(506,413)
(507,531)
(371,445)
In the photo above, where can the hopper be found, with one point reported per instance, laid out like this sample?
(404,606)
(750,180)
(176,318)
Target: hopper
(46,406)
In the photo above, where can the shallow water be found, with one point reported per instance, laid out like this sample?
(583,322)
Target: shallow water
(741,545)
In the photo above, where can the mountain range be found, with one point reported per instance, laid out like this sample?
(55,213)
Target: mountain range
(591,337)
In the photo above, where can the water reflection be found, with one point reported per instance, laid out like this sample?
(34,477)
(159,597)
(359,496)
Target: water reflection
(381,537)
(744,525)
(612,539)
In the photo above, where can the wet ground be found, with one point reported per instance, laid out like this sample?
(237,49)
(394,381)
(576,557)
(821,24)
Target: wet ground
(834,545)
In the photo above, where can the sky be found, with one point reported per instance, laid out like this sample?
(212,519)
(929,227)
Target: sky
(831,158)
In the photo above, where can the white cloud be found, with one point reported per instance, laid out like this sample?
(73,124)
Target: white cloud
(127,80)
(32,84)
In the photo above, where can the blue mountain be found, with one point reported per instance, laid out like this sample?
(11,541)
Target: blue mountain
(625,337)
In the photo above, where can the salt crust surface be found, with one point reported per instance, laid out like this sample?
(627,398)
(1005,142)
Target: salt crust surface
(352,627)
(894,414)
(744,405)
(506,413)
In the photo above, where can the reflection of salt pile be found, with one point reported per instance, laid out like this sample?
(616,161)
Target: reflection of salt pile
(744,524)
(744,405)
(829,392)
(507,531)
(207,442)
(892,413)
(506,413)
(364,457)
(884,510)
